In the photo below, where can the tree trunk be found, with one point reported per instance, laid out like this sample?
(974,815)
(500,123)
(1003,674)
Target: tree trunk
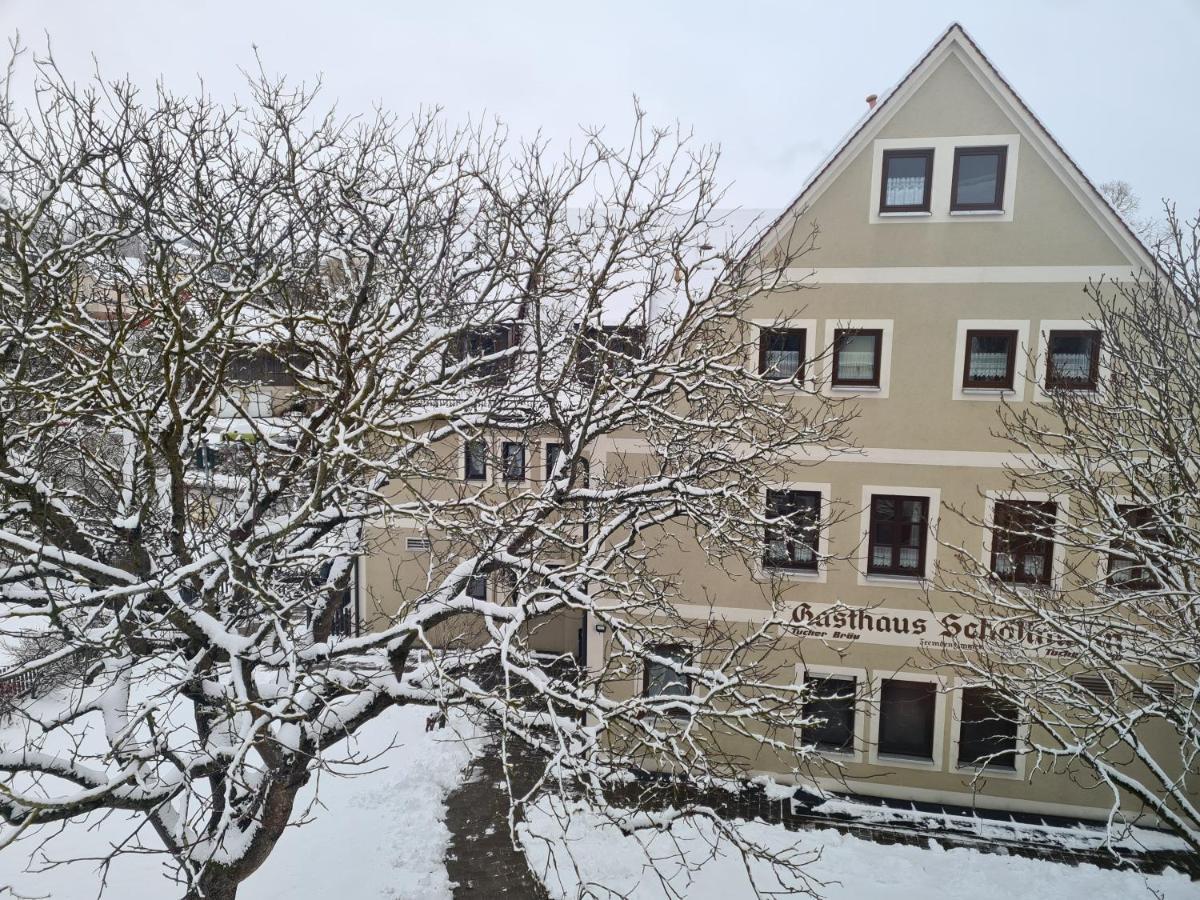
(214,886)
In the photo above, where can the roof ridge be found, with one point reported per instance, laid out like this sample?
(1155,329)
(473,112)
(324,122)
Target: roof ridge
(955,28)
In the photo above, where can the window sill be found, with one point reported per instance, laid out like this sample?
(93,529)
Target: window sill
(989,391)
(905,580)
(838,756)
(788,384)
(905,214)
(856,388)
(912,762)
(988,771)
(783,573)
(976,212)
(1070,389)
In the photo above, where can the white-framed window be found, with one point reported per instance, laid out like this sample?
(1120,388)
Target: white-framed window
(798,553)
(662,678)
(513,461)
(989,354)
(1019,537)
(987,732)
(923,174)
(894,521)
(785,350)
(476,462)
(857,358)
(839,699)
(551,453)
(1070,355)
(1126,566)
(909,721)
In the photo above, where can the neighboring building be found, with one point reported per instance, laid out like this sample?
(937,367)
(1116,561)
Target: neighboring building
(956,237)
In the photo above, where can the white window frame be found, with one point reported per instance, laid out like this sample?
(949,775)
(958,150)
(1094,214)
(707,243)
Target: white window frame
(1045,326)
(827,356)
(944,685)
(765,573)
(491,462)
(1017,773)
(1105,552)
(1020,361)
(862,705)
(542,447)
(942,175)
(809,326)
(922,583)
(503,478)
(1057,558)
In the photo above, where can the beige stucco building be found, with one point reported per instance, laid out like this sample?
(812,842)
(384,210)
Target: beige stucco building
(955,239)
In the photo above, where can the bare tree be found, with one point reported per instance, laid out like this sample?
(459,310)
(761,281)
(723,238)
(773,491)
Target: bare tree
(235,348)
(1122,198)
(1103,663)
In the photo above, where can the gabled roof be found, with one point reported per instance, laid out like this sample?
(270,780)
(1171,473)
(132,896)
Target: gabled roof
(955,40)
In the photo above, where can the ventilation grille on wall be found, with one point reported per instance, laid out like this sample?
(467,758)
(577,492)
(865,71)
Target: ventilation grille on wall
(1101,688)
(417,543)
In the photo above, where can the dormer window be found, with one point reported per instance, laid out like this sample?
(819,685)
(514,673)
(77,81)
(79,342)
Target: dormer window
(978,179)
(907,181)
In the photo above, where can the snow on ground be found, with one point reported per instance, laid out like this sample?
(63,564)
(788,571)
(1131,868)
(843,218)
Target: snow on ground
(849,868)
(382,835)
(377,835)
(1076,837)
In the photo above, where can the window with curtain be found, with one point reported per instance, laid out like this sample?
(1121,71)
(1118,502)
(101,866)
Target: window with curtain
(1023,540)
(906,180)
(1136,554)
(990,359)
(907,711)
(988,726)
(791,541)
(856,357)
(899,531)
(781,353)
(978,179)
(1073,360)
(830,704)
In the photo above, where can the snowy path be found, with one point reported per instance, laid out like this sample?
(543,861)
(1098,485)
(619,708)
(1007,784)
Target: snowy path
(481,860)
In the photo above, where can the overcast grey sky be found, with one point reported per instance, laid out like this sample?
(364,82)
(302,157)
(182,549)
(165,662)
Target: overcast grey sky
(776,84)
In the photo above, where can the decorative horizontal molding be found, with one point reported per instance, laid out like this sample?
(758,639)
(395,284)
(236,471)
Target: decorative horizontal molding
(960,274)
(969,459)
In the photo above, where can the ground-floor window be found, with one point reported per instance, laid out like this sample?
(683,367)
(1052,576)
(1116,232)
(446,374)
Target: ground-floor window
(661,679)
(830,704)
(988,727)
(907,711)
(477,587)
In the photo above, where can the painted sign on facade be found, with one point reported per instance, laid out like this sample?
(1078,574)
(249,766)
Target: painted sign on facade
(923,629)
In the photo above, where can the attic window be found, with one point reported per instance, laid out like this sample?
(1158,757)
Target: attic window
(978,179)
(907,181)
